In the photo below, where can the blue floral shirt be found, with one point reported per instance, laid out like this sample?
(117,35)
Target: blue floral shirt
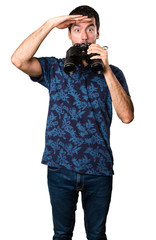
(77,134)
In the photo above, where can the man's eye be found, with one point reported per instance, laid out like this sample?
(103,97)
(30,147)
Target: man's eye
(77,30)
(90,29)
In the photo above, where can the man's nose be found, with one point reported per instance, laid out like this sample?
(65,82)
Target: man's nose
(84,35)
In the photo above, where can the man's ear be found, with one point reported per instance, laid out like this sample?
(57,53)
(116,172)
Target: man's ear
(69,34)
(98,34)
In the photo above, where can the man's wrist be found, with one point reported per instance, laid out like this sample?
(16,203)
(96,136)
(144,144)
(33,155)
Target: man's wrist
(107,70)
(51,23)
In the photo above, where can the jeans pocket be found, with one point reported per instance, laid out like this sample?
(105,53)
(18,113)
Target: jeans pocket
(53,169)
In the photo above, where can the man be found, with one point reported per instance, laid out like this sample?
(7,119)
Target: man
(77,150)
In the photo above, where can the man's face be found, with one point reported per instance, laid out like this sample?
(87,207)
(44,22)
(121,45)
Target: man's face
(84,32)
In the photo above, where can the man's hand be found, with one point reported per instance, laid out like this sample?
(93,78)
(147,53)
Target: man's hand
(103,54)
(65,21)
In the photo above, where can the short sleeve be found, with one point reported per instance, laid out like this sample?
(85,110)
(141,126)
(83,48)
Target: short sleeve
(121,78)
(48,65)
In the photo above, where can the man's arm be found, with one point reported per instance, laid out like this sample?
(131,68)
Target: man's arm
(121,101)
(23,58)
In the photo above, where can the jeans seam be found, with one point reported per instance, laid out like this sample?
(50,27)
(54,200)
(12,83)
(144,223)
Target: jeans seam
(77,187)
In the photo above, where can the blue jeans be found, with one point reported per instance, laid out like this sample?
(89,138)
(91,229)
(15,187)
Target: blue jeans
(64,186)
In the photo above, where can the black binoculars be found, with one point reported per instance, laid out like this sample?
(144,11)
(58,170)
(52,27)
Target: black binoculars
(76,54)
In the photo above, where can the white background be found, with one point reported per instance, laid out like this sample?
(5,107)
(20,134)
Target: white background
(128,28)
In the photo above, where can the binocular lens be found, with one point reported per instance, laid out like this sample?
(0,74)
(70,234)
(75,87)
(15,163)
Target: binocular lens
(70,68)
(97,67)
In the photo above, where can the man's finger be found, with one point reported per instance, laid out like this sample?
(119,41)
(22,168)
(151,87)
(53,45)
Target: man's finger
(84,20)
(77,16)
